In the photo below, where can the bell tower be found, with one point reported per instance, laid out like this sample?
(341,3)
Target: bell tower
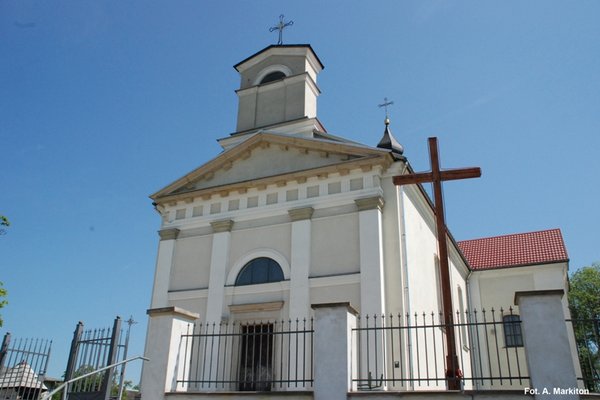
(278,87)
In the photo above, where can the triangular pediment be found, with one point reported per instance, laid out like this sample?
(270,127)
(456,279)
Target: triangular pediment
(267,156)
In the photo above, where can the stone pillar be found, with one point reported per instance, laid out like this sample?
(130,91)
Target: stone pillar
(219,258)
(546,343)
(372,286)
(164,261)
(169,356)
(334,351)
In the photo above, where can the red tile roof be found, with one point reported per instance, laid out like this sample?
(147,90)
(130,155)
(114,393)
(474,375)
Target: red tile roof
(515,250)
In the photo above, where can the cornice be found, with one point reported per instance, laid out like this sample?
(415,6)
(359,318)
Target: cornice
(370,203)
(222,226)
(365,163)
(168,234)
(299,214)
(173,311)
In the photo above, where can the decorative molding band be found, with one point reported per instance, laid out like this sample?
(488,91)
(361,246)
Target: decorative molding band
(299,214)
(256,307)
(222,226)
(168,234)
(370,203)
(174,311)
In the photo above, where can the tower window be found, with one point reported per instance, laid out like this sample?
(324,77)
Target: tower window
(273,76)
(259,270)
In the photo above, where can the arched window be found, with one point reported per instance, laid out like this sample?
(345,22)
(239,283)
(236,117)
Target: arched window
(273,76)
(259,270)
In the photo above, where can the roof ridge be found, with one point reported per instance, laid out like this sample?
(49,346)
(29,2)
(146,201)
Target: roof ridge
(512,234)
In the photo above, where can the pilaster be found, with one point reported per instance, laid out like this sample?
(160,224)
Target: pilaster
(219,259)
(372,285)
(372,288)
(164,261)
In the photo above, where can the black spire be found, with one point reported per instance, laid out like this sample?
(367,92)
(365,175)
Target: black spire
(389,142)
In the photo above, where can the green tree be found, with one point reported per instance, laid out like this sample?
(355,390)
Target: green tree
(4,222)
(584,300)
(584,293)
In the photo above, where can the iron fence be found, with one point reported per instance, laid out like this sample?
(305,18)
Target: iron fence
(91,350)
(257,356)
(405,352)
(587,338)
(23,366)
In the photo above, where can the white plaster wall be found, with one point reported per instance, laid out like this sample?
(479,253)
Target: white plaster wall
(497,287)
(336,294)
(191,263)
(421,251)
(335,245)
(245,242)
(271,105)
(296,95)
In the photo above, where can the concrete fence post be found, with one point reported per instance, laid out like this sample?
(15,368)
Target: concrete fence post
(547,345)
(166,351)
(334,357)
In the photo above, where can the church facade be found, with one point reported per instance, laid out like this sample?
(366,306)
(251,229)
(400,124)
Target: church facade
(322,208)
(289,216)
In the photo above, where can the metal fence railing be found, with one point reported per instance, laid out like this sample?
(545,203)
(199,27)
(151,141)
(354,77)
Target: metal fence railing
(405,352)
(257,356)
(587,339)
(23,366)
(92,350)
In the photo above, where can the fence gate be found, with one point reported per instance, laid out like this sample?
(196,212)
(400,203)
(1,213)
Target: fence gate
(23,365)
(91,350)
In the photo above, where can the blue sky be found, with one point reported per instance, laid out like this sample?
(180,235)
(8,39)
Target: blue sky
(104,102)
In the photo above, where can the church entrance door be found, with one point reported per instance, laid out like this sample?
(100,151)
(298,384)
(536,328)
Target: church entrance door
(256,369)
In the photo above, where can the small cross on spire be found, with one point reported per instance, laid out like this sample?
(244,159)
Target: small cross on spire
(385,105)
(280,27)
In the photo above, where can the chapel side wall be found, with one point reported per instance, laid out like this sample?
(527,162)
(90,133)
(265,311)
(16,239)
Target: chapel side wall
(425,285)
(494,289)
(425,295)
(459,273)
(421,245)
(497,286)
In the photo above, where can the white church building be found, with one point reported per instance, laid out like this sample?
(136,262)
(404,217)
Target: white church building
(291,231)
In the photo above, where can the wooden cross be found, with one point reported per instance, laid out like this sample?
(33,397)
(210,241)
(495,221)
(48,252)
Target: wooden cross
(280,27)
(436,176)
